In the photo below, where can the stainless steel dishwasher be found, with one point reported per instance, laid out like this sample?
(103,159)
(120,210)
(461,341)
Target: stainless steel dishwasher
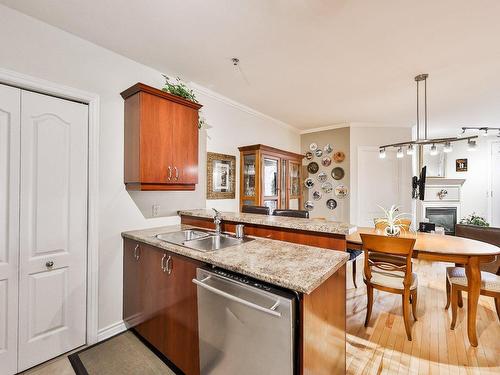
(245,327)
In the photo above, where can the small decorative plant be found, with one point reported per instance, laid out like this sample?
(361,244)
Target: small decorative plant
(474,219)
(179,88)
(393,220)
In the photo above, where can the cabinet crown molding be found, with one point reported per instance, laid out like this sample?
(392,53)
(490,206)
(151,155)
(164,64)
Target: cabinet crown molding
(141,87)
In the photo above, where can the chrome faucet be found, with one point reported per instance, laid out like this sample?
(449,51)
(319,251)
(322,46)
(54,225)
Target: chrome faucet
(217,221)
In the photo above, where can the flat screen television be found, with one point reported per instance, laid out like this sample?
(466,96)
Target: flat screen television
(418,185)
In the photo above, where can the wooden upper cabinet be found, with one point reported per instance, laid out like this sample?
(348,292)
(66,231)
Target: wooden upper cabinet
(161,140)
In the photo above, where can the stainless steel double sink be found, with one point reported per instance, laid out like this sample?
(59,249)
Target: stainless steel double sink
(202,240)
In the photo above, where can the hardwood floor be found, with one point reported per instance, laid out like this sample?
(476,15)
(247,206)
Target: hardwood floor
(382,347)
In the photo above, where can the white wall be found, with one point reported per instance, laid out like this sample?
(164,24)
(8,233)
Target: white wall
(231,125)
(40,50)
(366,137)
(476,186)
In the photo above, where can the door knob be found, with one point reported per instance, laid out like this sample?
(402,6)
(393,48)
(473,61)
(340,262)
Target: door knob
(49,264)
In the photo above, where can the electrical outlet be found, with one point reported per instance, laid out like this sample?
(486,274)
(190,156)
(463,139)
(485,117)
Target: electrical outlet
(156,210)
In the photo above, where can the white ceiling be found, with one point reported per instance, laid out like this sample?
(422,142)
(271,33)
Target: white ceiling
(310,63)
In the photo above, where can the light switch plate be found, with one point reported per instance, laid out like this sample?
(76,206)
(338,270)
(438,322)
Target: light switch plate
(156,210)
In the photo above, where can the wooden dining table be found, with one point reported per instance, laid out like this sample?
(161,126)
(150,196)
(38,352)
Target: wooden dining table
(445,248)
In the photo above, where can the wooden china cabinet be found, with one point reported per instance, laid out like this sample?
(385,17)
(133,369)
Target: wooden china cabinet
(270,177)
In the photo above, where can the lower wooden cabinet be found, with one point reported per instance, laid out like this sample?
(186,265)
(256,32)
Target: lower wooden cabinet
(159,301)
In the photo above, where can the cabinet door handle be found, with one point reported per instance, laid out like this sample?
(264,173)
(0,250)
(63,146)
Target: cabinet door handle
(168,265)
(162,263)
(136,252)
(176,173)
(169,172)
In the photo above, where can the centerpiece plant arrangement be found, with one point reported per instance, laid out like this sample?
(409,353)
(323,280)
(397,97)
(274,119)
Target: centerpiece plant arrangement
(393,221)
(179,88)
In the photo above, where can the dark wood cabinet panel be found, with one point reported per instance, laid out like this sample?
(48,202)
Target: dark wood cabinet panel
(162,305)
(181,316)
(185,159)
(156,139)
(161,140)
(329,241)
(132,284)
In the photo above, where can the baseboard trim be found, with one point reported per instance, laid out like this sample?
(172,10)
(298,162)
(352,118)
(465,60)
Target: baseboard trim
(111,330)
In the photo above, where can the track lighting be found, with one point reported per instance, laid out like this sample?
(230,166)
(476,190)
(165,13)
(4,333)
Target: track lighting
(434,150)
(410,150)
(471,145)
(422,134)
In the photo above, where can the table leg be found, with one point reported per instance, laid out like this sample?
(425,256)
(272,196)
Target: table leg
(474,286)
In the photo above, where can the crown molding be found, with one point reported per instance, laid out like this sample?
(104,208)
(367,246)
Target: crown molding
(224,99)
(327,127)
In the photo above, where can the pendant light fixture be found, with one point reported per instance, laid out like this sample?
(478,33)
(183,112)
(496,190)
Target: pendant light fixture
(422,139)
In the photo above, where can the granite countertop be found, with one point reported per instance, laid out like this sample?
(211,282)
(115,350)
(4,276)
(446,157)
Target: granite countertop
(296,267)
(312,225)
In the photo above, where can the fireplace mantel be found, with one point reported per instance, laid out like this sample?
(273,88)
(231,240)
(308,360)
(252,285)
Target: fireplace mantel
(441,181)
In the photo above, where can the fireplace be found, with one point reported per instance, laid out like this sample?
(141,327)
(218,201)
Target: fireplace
(445,217)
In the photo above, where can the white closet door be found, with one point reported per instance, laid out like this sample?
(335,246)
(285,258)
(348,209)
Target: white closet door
(53,227)
(9,225)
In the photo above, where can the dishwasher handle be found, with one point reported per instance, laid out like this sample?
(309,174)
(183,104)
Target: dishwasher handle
(270,311)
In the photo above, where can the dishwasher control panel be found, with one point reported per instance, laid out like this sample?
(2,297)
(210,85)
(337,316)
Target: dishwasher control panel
(242,279)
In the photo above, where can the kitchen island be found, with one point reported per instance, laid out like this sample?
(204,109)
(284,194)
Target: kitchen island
(160,298)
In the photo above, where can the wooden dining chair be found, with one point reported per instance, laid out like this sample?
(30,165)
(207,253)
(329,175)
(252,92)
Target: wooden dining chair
(456,283)
(389,276)
(353,253)
(262,210)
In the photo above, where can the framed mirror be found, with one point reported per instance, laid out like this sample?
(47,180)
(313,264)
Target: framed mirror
(436,164)
(221,171)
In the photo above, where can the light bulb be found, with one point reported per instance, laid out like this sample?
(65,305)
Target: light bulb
(400,153)
(434,150)
(485,133)
(410,150)
(382,153)
(471,145)
(447,147)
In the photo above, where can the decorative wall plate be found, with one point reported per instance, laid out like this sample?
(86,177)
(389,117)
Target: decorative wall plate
(326,161)
(319,152)
(341,191)
(313,167)
(328,148)
(322,177)
(309,155)
(338,173)
(327,187)
(317,195)
(309,205)
(308,183)
(313,146)
(339,157)
(331,203)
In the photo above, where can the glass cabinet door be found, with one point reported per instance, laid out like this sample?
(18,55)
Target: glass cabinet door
(249,175)
(270,181)
(294,185)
